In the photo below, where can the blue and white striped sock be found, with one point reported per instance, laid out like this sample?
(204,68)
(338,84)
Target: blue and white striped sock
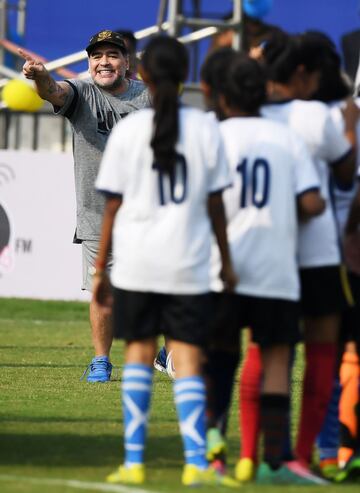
(190,399)
(136,392)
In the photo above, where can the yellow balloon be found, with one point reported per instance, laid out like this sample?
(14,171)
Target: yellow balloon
(20,96)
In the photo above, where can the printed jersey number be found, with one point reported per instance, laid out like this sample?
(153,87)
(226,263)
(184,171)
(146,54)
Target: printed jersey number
(257,179)
(173,184)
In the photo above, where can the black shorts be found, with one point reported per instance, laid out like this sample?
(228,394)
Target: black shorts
(225,323)
(350,321)
(322,291)
(272,321)
(141,315)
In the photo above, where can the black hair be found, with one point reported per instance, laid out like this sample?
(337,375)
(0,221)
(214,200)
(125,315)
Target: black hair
(333,86)
(213,73)
(245,85)
(280,56)
(130,38)
(166,62)
(215,67)
(283,53)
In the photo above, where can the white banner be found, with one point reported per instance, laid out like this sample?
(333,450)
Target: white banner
(37,223)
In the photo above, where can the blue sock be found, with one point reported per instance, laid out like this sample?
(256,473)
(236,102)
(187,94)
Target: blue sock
(328,439)
(162,355)
(136,392)
(190,399)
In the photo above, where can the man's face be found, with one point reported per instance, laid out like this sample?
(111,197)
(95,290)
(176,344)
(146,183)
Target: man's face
(108,66)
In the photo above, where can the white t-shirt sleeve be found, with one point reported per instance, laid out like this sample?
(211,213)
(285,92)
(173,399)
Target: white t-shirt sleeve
(306,176)
(112,172)
(335,145)
(219,172)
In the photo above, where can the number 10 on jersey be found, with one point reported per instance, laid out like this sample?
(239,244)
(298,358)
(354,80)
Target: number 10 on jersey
(255,182)
(172,184)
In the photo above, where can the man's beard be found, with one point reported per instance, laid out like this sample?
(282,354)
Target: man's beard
(115,85)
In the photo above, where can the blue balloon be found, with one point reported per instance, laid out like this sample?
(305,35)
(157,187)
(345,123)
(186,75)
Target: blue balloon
(257,8)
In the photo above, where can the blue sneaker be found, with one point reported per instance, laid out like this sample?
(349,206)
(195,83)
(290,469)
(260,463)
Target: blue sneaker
(99,370)
(160,360)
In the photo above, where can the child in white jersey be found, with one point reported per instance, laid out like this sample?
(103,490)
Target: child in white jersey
(274,180)
(339,440)
(294,67)
(163,173)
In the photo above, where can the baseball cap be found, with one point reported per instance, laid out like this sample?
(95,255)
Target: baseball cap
(107,36)
(257,8)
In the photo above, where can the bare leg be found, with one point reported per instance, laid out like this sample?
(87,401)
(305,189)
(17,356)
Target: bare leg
(101,329)
(322,329)
(187,358)
(275,360)
(141,352)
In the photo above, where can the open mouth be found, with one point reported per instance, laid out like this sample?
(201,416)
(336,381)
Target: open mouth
(106,73)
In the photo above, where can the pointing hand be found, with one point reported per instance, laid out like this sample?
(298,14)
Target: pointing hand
(32,69)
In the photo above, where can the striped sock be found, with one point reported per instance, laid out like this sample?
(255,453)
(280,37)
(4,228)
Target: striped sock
(190,399)
(136,392)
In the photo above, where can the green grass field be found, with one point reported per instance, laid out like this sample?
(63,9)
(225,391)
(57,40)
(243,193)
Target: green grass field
(55,429)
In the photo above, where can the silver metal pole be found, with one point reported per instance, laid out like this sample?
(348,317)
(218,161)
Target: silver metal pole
(21,18)
(193,22)
(3,26)
(173,10)
(237,18)
(161,13)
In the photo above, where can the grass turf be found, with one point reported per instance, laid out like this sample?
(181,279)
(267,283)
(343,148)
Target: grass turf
(52,425)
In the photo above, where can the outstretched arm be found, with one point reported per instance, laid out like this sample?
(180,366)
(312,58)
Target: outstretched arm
(46,86)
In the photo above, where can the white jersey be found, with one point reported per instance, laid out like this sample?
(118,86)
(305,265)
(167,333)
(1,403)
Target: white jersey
(318,240)
(342,199)
(270,167)
(162,232)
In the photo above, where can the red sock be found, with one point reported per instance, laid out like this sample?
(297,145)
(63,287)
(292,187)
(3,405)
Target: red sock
(249,402)
(317,388)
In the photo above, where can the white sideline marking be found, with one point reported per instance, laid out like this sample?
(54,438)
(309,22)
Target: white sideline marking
(74,483)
